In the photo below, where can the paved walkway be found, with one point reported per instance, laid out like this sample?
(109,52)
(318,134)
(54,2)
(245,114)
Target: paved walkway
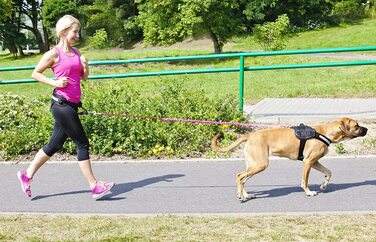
(192,187)
(282,110)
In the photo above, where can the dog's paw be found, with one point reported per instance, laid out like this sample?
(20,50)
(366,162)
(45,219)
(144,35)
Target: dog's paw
(323,187)
(311,193)
(244,197)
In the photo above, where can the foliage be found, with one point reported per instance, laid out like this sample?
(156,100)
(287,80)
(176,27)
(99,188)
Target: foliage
(131,136)
(132,31)
(11,37)
(55,9)
(272,35)
(22,125)
(301,13)
(6,7)
(171,21)
(349,10)
(101,15)
(139,137)
(340,148)
(99,39)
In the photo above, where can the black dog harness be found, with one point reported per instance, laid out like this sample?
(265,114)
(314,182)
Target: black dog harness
(305,133)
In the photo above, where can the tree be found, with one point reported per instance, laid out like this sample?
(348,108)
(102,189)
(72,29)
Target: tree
(169,21)
(6,8)
(31,10)
(101,15)
(126,13)
(272,35)
(53,10)
(300,12)
(12,38)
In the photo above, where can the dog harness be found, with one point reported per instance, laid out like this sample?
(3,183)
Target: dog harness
(304,133)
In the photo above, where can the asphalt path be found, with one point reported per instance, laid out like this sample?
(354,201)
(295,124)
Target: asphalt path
(191,187)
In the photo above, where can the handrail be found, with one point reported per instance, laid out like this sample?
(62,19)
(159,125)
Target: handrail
(239,69)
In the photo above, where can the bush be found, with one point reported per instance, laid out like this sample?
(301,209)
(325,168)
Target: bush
(99,40)
(272,35)
(28,126)
(24,125)
(139,137)
(349,10)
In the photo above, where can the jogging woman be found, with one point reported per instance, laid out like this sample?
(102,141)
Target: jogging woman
(69,67)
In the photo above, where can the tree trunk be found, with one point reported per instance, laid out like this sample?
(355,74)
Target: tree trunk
(217,45)
(12,47)
(46,38)
(20,51)
(33,15)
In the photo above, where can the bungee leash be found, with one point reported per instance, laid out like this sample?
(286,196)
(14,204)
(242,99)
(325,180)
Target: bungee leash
(207,122)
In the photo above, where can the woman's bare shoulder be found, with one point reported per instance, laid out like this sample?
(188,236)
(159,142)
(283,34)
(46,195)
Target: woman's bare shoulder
(51,54)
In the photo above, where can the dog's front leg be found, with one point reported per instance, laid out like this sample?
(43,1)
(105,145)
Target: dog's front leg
(328,174)
(306,169)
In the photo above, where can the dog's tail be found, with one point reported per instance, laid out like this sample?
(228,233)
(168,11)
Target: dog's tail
(232,146)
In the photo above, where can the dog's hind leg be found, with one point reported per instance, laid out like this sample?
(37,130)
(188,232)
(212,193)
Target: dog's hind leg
(328,174)
(252,169)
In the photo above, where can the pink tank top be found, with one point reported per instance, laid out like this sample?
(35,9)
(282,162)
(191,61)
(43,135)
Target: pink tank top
(69,66)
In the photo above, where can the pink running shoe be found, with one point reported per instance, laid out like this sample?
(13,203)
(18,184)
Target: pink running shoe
(25,182)
(101,188)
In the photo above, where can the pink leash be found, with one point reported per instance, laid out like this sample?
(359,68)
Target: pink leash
(182,120)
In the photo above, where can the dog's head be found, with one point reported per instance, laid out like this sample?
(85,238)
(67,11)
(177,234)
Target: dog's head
(351,129)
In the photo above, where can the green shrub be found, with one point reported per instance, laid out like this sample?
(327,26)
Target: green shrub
(99,40)
(139,137)
(349,10)
(24,125)
(272,35)
(27,127)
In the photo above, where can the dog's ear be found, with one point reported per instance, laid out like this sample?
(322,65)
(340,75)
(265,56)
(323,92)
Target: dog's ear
(345,125)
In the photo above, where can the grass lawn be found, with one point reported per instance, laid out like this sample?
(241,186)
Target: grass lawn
(357,227)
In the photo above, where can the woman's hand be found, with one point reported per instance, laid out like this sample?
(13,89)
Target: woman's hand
(83,60)
(62,82)
(85,68)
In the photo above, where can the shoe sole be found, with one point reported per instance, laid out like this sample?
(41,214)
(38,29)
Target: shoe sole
(103,193)
(22,185)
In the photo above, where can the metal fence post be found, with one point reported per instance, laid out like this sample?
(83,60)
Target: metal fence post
(241,82)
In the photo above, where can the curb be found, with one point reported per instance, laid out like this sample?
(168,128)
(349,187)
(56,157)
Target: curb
(181,160)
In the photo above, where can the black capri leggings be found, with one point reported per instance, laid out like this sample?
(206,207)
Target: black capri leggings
(67,124)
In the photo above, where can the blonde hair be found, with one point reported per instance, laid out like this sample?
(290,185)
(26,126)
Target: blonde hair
(64,23)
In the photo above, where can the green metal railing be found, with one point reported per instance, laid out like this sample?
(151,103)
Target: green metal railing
(241,69)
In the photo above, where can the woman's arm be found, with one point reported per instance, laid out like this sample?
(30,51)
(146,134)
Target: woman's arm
(48,60)
(85,68)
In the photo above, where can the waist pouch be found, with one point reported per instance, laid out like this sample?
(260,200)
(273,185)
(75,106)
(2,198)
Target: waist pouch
(62,100)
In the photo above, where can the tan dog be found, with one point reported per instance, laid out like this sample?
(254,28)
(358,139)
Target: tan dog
(283,142)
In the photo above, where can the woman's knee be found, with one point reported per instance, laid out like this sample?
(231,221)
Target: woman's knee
(51,149)
(83,152)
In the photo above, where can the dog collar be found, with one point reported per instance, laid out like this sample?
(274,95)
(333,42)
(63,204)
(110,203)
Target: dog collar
(323,139)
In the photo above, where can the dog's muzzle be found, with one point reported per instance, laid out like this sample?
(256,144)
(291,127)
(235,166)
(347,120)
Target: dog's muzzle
(362,131)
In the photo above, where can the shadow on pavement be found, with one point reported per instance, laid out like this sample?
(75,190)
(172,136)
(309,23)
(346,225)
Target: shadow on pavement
(119,188)
(129,186)
(59,194)
(332,187)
